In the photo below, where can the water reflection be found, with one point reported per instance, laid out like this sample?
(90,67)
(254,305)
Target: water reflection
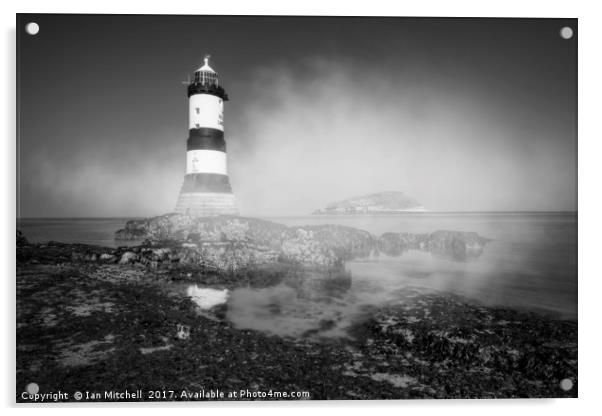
(206,298)
(322,309)
(319,303)
(530,265)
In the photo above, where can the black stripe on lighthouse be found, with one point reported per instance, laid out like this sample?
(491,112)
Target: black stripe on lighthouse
(206,138)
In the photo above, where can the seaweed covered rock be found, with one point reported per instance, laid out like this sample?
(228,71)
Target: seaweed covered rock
(472,348)
(228,256)
(457,245)
(179,227)
(326,244)
(232,243)
(346,242)
(250,240)
(21,240)
(394,244)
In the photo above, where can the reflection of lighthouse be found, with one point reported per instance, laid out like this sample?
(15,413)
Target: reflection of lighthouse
(206,190)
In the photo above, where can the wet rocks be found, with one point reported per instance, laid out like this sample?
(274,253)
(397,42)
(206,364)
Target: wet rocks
(183,332)
(394,244)
(231,243)
(231,256)
(457,245)
(345,243)
(235,242)
(423,346)
(304,248)
(128,257)
(469,348)
(21,240)
(178,227)
(107,257)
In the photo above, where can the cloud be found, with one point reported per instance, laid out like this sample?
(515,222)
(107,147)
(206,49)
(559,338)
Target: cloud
(325,131)
(128,181)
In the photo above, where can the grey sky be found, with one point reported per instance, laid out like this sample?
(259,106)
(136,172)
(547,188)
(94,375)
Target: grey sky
(462,114)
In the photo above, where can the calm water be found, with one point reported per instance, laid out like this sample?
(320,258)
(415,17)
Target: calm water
(96,231)
(530,264)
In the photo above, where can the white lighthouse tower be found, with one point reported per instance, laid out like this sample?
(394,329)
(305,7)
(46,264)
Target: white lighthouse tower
(206,190)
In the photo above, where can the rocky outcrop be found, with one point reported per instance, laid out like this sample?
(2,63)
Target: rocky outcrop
(457,245)
(221,257)
(179,227)
(394,244)
(234,243)
(237,242)
(334,243)
(378,203)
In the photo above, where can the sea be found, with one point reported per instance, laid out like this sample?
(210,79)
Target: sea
(530,264)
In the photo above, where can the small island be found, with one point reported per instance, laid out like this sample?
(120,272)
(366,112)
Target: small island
(377,203)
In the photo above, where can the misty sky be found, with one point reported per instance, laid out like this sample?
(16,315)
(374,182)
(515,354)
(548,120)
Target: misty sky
(461,114)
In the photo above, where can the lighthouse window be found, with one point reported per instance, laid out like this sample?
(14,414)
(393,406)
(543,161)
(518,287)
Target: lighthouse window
(198,110)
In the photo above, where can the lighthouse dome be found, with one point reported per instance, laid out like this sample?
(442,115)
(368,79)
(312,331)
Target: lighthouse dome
(205,75)
(206,66)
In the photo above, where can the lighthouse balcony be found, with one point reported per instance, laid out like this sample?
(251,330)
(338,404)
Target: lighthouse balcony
(207,88)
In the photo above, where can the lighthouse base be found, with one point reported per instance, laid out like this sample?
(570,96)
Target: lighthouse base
(206,195)
(203,204)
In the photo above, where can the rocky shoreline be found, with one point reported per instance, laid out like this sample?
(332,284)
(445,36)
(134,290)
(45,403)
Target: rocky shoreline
(96,318)
(230,244)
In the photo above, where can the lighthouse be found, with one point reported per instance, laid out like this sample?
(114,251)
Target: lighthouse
(206,190)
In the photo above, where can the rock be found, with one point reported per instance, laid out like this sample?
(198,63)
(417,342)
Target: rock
(326,245)
(107,257)
(128,257)
(346,242)
(394,244)
(303,248)
(84,256)
(235,242)
(378,203)
(181,227)
(21,240)
(90,257)
(230,244)
(183,331)
(457,245)
(161,253)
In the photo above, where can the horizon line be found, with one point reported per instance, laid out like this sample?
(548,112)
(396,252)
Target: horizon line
(323,215)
